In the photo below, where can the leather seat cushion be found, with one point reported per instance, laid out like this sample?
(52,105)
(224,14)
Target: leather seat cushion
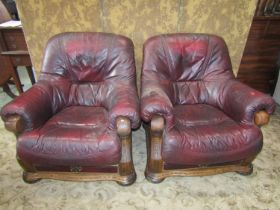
(76,136)
(205,135)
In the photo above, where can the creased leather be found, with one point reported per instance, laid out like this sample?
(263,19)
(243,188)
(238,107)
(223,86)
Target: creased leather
(188,79)
(87,81)
(123,101)
(155,101)
(77,135)
(205,135)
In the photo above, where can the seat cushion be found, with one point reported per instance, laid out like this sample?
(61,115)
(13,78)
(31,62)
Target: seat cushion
(76,136)
(205,135)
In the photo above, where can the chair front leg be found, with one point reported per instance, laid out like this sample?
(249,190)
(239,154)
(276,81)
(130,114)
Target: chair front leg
(154,144)
(126,167)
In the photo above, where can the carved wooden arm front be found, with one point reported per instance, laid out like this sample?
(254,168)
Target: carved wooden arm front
(261,118)
(14,123)
(126,167)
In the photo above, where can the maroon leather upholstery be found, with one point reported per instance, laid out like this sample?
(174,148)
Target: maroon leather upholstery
(188,79)
(87,81)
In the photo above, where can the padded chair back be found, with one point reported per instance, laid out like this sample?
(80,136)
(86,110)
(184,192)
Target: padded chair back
(191,65)
(91,63)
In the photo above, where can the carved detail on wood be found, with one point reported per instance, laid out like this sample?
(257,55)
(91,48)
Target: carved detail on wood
(75,176)
(14,123)
(261,118)
(199,171)
(126,166)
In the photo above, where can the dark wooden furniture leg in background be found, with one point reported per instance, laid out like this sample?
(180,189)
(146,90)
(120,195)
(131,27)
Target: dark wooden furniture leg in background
(31,75)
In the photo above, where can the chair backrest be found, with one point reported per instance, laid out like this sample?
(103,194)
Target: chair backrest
(93,63)
(4,14)
(190,63)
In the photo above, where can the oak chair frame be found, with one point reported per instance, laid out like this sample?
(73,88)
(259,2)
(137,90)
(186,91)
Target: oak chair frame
(123,173)
(157,170)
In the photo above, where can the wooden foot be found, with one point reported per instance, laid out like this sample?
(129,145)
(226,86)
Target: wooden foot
(247,172)
(153,178)
(126,166)
(7,90)
(128,180)
(30,74)
(28,178)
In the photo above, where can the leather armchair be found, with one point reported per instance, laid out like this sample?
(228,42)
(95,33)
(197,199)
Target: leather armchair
(199,119)
(75,122)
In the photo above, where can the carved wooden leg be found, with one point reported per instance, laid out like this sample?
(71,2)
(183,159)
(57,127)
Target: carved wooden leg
(154,143)
(7,90)
(30,74)
(126,167)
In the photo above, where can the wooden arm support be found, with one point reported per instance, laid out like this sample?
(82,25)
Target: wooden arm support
(261,118)
(126,167)
(155,162)
(14,123)
(123,126)
(157,124)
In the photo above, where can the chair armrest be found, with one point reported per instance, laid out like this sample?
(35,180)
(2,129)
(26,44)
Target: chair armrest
(123,101)
(32,108)
(156,101)
(123,126)
(261,118)
(245,104)
(14,123)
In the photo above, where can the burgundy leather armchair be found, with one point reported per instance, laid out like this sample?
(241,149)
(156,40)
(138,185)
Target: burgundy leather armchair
(199,119)
(75,122)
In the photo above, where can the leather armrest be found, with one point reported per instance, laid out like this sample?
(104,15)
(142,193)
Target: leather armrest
(155,101)
(246,105)
(123,101)
(32,108)
(157,124)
